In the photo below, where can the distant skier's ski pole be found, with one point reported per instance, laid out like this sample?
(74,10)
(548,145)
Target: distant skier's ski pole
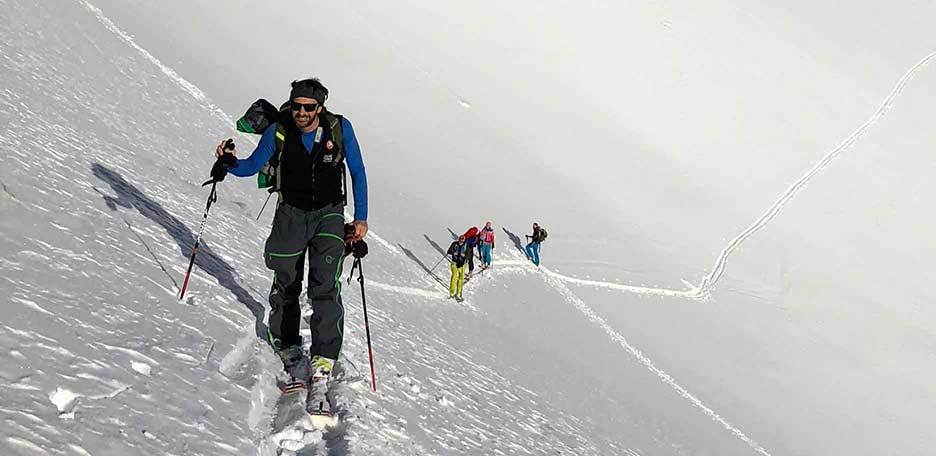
(370,352)
(217,175)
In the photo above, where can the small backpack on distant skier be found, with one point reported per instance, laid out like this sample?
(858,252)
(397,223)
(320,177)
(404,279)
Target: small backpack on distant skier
(487,236)
(542,235)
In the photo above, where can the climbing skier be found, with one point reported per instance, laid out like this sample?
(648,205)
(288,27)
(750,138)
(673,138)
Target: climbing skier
(310,147)
(471,240)
(533,248)
(486,238)
(457,255)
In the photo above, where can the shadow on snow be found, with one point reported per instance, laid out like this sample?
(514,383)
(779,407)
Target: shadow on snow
(130,197)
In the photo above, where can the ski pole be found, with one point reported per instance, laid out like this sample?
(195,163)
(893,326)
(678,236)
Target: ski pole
(432,271)
(212,197)
(370,352)
(264,204)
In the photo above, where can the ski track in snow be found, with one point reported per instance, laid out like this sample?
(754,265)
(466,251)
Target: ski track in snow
(555,280)
(709,282)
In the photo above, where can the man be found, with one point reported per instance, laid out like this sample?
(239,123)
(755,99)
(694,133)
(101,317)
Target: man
(457,254)
(309,220)
(533,248)
(486,237)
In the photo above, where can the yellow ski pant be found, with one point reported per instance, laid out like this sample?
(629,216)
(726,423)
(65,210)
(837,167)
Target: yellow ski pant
(458,280)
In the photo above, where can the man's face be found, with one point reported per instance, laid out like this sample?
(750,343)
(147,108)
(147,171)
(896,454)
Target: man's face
(304,111)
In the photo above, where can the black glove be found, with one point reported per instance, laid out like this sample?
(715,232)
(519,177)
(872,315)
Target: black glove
(352,247)
(357,248)
(221,166)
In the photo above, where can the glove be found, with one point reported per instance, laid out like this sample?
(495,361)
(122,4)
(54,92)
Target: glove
(357,248)
(221,166)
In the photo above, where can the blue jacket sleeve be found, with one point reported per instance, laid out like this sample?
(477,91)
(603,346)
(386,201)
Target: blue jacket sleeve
(355,163)
(260,156)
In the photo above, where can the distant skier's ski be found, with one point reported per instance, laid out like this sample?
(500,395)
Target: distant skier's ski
(475,274)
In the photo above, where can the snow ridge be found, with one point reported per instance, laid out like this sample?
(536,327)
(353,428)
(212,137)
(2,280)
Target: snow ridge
(194,91)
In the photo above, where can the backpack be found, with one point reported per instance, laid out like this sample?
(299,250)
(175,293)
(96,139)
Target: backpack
(458,253)
(261,115)
(488,236)
(542,236)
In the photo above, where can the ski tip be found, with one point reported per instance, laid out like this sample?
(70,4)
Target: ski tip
(293,387)
(323,420)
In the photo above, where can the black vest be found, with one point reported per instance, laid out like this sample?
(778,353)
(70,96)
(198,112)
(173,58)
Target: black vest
(313,180)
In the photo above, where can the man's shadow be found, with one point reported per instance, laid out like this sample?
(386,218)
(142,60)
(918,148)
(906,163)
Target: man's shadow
(516,241)
(130,197)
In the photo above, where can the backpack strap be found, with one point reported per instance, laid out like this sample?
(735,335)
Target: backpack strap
(334,123)
(279,140)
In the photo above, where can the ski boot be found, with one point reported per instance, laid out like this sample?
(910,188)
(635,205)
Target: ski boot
(296,364)
(316,401)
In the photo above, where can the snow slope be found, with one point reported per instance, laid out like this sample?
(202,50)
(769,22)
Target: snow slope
(815,334)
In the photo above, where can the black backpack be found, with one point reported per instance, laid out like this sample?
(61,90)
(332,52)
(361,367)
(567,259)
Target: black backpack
(542,236)
(261,115)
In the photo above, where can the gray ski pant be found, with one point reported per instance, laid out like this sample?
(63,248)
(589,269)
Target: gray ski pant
(320,233)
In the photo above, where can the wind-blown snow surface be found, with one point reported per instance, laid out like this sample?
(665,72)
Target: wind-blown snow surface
(817,340)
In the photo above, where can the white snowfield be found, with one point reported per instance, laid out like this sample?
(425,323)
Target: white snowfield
(652,141)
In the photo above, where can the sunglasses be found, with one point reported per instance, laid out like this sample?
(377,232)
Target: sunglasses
(299,106)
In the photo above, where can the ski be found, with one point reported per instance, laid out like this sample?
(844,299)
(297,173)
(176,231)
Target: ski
(291,387)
